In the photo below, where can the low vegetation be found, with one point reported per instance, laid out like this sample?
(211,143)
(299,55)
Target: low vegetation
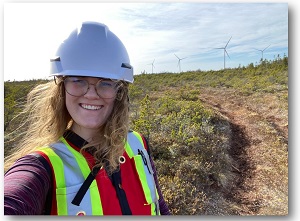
(218,138)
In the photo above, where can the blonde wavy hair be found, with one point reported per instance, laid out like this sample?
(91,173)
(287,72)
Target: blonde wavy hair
(47,118)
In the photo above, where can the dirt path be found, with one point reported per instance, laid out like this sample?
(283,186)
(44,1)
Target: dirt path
(259,144)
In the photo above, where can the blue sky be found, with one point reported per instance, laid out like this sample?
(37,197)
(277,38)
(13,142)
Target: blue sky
(33,31)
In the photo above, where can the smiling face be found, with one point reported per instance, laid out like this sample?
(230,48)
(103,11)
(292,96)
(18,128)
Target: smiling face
(89,111)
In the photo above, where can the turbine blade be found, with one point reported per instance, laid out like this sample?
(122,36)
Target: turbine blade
(176,56)
(227,53)
(266,48)
(228,41)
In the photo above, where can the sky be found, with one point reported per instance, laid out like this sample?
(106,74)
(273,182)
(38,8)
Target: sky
(155,34)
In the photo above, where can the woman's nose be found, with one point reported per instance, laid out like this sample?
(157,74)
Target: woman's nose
(92,92)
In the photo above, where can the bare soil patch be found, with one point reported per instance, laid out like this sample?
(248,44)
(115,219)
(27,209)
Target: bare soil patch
(259,145)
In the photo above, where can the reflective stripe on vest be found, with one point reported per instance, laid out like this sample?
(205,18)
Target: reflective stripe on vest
(65,179)
(65,160)
(144,169)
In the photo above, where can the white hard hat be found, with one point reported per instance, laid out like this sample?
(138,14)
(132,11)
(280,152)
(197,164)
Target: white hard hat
(92,51)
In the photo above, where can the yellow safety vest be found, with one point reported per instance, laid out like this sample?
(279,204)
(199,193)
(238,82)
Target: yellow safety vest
(70,169)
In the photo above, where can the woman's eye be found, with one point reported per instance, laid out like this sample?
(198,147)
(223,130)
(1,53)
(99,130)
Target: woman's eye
(106,84)
(77,80)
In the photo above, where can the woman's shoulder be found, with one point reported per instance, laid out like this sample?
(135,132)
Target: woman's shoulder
(32,163)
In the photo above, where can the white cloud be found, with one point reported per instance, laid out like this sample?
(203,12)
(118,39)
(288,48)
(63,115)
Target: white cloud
(33,31)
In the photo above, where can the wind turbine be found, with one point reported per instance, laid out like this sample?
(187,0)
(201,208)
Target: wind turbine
(152,65)
(224,48)
(262,52)
(179,59)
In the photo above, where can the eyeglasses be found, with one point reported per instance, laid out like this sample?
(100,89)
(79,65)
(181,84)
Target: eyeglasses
(78,86)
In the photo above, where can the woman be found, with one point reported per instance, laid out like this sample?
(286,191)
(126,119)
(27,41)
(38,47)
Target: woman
(78,156)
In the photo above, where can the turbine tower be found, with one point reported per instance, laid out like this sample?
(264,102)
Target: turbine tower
(153,65)
(262,53)
(224,48)
(179,59)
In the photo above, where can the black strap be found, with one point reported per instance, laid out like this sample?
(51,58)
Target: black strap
(84,187)
(117,183)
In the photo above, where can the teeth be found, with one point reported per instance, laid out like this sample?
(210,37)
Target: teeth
(91,107)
